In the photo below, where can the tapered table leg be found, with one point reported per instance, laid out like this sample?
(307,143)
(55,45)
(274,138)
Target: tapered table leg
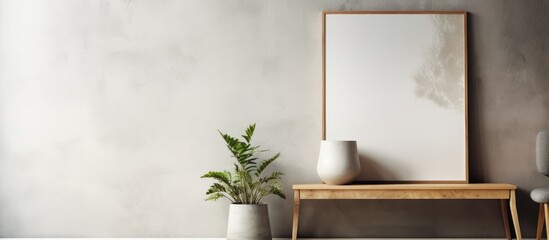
(505,215)
(514,214)
(296,214)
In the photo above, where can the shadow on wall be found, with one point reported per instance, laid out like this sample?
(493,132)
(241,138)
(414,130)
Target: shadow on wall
(371,169)
(441,77)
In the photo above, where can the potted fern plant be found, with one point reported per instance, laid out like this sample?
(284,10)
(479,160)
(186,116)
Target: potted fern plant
(246,187)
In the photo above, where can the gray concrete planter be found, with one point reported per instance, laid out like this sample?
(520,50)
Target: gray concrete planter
(248,222)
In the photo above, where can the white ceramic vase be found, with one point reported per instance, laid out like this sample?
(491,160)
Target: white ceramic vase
(338,162)
(248,222)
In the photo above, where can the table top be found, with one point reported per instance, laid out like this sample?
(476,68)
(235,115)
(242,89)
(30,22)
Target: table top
(471,186)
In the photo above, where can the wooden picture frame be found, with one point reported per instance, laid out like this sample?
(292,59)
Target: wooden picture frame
(418,155)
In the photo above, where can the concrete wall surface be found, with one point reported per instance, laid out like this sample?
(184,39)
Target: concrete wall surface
(109,113)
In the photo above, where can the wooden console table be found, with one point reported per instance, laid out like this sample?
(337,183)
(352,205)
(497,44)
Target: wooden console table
(500,191)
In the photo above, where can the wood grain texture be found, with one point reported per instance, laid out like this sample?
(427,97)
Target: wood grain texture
(514,214)
(541,220)
(466,99)
(405,194)
(546,210)
(395,12)
(505,216)
(411,182)
(485,186)
(296,214)
(500,191)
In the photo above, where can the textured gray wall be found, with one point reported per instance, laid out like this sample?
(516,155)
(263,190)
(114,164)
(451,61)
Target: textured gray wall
(109,111)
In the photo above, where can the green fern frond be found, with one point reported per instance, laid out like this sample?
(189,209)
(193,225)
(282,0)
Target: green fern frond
(244,185)
(265,164)
(219,176)
(278,192)
(249,132)
(214,197)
